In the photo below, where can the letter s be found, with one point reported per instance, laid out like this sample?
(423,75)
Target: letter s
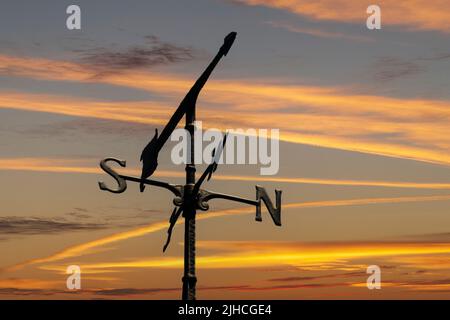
(120,181)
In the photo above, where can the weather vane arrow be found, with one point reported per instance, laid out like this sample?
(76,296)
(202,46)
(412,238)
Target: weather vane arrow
(189,197)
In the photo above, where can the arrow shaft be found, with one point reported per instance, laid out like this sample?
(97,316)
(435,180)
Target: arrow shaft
(176,190)
(205,196)
(189,101)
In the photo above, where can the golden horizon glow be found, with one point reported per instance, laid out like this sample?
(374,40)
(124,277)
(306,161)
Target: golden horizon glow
(245,254)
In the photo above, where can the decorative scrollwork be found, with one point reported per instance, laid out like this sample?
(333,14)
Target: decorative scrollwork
(202,200)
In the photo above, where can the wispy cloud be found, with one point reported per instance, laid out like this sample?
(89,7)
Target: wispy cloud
(27,283)
(433,237)
(84,166)
(89,247)
(318,32)
(15,225)
(319,277)
(133,291)
(435,286)
(295,286)
(250,254)
(436,57)
(409,128)
(410,15)
(25,292)
(76,220)
(107,292)
(153,53)
(94,126)
(147,291)
(390,68)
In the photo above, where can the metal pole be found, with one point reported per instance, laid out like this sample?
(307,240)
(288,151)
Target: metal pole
(189,278)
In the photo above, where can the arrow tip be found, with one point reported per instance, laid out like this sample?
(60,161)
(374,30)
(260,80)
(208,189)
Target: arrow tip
(228,42)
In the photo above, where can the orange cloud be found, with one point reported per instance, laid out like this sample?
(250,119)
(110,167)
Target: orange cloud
(28,283)
(425,262)
(318,32)
(269,254)
(83,166)
(89,247)
(320,258)
(414,14)
(419,126)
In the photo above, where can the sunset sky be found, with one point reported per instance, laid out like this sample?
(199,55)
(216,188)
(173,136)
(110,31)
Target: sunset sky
(364,120)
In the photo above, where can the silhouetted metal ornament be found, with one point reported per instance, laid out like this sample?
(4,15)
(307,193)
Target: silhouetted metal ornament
(189,197)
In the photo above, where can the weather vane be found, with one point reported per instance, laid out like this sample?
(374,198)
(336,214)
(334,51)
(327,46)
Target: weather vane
(189,197)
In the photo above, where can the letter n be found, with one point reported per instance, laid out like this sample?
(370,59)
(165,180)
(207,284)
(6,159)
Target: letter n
(275,212)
